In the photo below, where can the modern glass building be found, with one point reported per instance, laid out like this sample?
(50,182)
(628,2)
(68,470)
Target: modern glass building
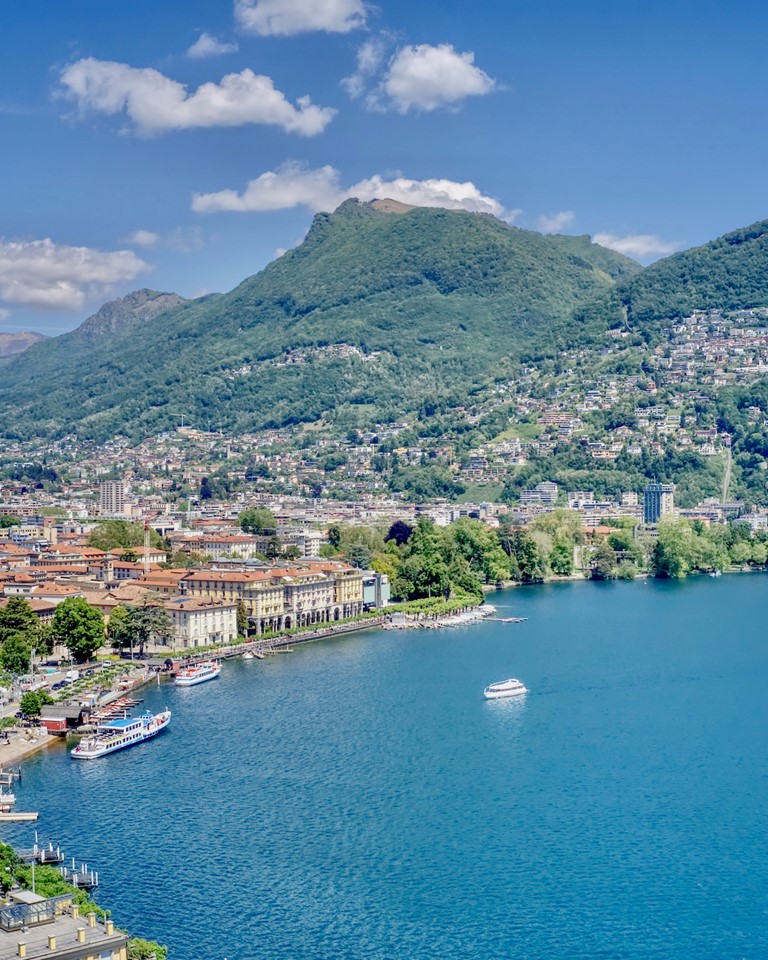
(658,501)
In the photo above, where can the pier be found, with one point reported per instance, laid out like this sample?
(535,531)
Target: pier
(83,878)
(45,855)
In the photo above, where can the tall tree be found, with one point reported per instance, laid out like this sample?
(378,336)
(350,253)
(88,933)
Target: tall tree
(17,616)
(399,532)
(145,624)
(16,653)
(79,626)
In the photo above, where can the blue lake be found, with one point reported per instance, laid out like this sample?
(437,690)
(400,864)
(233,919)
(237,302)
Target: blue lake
(358,798)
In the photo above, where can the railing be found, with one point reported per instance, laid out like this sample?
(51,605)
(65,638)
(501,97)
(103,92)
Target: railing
(27,914)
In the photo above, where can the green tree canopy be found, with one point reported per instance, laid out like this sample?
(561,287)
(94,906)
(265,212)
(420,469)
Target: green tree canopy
(32,702)
(109,534)
(17,616)
(144,624)
(79,627)
(16,653)
(258,521)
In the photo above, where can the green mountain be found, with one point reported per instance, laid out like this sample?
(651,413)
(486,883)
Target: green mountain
(380,310)
(729,273)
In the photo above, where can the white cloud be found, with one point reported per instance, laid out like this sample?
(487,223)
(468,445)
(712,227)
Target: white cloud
(49,276)
(4,314)
(208,46)
(555,222)
(155,103)
(289,17)
(369,59)
(425,78)
(142,238)
(642,246)
(294,185)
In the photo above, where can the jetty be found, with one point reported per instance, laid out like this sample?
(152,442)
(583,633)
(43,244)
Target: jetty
(44,855)
(18,817)
(83,878)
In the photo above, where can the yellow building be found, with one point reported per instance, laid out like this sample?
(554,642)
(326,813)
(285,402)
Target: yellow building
(32,926)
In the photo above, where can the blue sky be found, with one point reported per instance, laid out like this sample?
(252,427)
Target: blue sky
(182,146)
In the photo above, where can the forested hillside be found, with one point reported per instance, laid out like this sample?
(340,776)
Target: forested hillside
(729,273)
(379,310)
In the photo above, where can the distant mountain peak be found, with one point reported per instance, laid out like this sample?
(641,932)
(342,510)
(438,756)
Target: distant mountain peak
(132,310)
(14,343)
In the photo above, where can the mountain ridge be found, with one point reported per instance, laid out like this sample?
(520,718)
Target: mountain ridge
(425,301)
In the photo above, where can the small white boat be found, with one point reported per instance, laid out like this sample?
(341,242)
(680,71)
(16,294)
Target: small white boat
(504,688)
(197,673)
(118,734)
(248,655)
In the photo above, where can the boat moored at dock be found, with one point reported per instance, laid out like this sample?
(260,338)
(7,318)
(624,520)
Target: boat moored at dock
(119,734)
(504,688)
(197,673)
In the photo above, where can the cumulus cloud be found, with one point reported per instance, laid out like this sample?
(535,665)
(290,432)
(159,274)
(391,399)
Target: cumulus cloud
(641,246)
(369,59)
(50,276)
(294,185)
(142,238)
(555,222)
(208,46)
(424,77)
(289,17)
(155,103)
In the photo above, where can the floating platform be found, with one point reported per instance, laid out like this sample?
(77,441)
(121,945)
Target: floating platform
(18,817)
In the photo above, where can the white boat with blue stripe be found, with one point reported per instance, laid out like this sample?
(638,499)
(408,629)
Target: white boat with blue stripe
(119,734)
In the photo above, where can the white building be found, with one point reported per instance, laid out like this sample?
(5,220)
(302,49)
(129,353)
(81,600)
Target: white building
(112,498)
(202,622)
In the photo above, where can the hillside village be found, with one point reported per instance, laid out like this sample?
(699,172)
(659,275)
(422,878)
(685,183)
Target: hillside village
(189,486)
(624,405)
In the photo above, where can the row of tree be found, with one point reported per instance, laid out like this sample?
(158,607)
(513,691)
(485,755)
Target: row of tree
(76,625)
(459,559)
(79,627)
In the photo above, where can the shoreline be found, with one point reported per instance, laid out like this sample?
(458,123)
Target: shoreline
(21,746)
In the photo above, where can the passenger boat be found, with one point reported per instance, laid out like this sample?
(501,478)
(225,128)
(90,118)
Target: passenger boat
(118,734)
(504,688)
(197,673)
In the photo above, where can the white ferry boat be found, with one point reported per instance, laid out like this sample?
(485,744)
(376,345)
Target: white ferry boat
(197,673)
(504,688)
(119,734)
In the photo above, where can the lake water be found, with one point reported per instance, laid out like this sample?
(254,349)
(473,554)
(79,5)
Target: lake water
(358,798)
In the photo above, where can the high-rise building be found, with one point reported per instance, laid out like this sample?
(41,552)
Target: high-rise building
(658,501)
(112,497)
